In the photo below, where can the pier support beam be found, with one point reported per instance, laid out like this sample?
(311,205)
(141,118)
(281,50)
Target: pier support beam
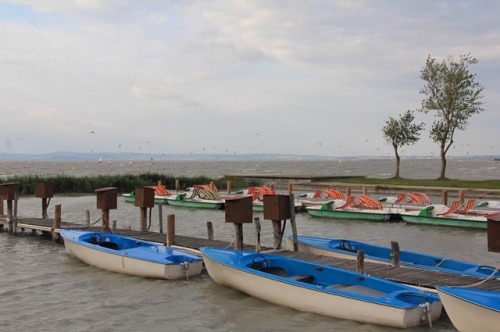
(56,226)
(170,230)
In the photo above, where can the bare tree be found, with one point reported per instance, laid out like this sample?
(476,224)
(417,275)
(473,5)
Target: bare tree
(402,132)
(454,95)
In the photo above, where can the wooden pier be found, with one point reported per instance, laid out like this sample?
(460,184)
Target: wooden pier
(407,275)
(238,213)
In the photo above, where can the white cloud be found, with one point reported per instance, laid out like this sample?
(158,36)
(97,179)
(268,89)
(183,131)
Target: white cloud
(217,72)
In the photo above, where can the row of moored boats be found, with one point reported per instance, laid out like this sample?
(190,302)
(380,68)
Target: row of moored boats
(330,203)
(305,285)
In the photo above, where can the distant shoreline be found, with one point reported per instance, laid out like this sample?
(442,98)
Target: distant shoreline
(121,157)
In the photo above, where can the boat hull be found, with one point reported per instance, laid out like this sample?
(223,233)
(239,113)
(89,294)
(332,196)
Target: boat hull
(468,315)
(316,299)
(347,249)
(346,214)
(477,222)
(124,262)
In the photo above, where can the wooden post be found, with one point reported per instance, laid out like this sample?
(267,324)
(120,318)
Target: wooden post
(348,191)
(290,188)
(277,233)
(160,218)
(56,237)
(44,208)
(228,186)
(360,261)
(461,196)
(170,229)
(210,230)
(10,217)
(114,226)
(212,185)
(87,215)
(295,236)
(444,197)
(238,241)
(365,190)
(395,254)
(1,206)
(105,221)
(144,219)
(258,247)
(271,186)
(177,185)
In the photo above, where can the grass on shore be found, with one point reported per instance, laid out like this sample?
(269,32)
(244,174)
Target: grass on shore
(446,183)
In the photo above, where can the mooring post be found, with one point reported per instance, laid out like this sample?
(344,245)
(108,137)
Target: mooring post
(461,196)
(238,233)
(290,188)
(395,254)
(144,219)
(295,236)
(238,211)
(348,191)
(87,218)
(106,200)
(170,229)
(9,193)
(360,261)
(365,190)
(276,234)
(228,186)
(1,206)
(114,227)
(258,247)
(210,230)
(444,197)
(177,185)
(56,237)
(160,218)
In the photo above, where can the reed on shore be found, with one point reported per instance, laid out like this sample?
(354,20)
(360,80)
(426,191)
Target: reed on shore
(127,182)
(124,183)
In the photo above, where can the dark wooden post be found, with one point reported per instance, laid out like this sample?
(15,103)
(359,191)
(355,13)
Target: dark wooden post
(290,188)
(444,197)
(10,193)
(1,206)
(276,209)
(239,211)
(170,229)
(258,247)
(160,218)
(348,191)
(106,200)
(45,191)
(56,226)
(177,185)
(360,261)
(144,199)
(295,236)
(210,230)
(395,254)
(461,196)
(228,186)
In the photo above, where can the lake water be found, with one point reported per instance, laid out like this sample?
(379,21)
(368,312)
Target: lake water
(43,289)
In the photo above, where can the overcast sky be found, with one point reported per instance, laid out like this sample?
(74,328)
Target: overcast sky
(295,77)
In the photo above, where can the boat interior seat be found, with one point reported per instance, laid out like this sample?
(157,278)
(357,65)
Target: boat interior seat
(110,245)
(302,278)
(278,271)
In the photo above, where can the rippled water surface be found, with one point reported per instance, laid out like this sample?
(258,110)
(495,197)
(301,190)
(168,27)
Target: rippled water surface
(43,289)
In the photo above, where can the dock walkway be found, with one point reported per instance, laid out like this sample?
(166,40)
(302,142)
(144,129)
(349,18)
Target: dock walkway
(407,275)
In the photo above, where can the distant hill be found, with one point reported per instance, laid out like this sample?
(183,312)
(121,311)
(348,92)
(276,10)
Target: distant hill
(82,156)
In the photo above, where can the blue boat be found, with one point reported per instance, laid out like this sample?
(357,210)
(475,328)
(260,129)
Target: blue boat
(321,289)
(117,253)
(348,249)
(471,309)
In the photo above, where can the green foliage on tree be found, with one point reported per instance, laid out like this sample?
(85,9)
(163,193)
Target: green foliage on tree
(451,91)
(401,132)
